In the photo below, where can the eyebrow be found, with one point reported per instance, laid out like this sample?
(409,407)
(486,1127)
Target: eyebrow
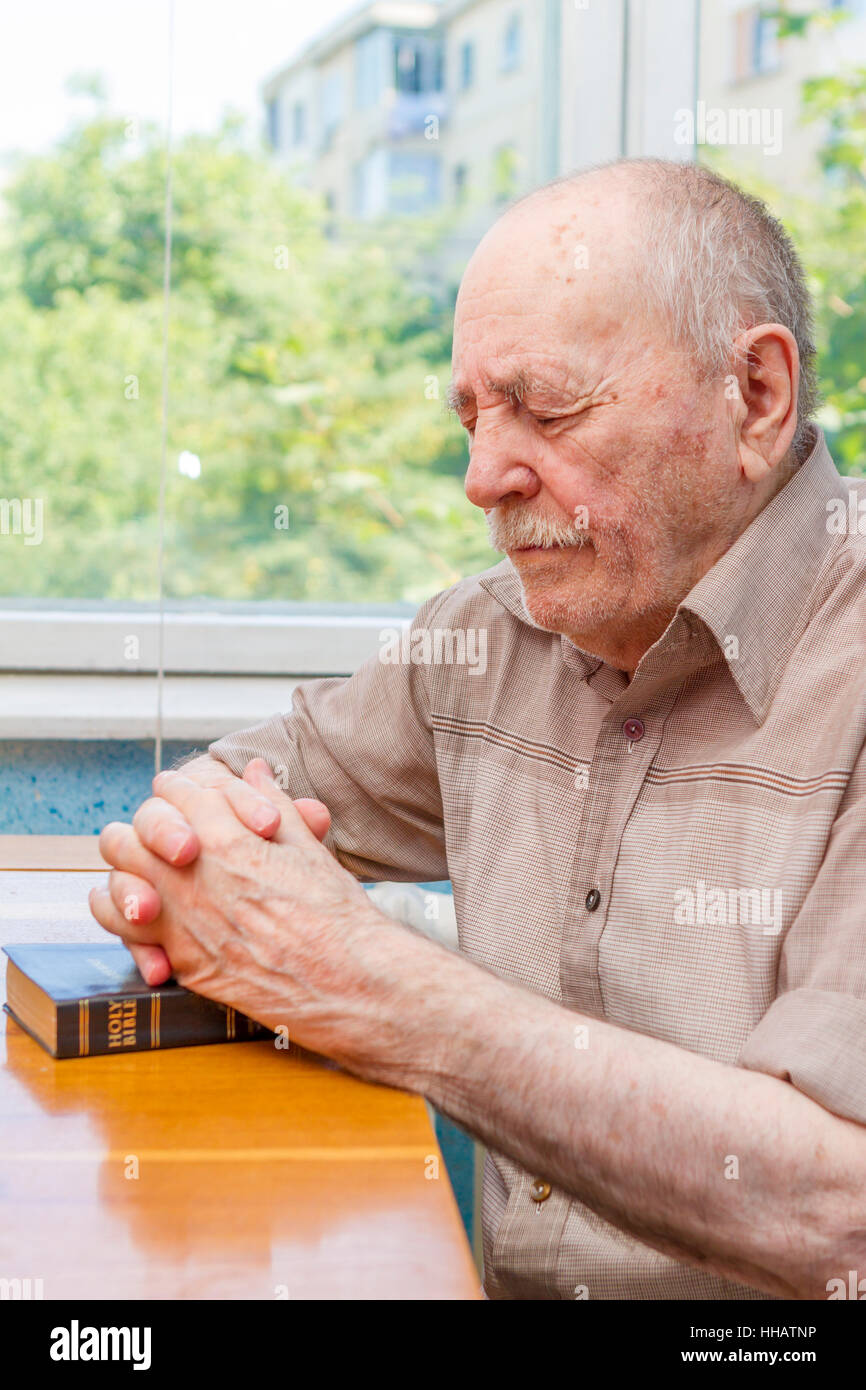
(515,388)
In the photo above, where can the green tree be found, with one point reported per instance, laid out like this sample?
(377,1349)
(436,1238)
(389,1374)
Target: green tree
(306,374)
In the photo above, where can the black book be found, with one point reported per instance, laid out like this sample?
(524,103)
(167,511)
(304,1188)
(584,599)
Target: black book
(85,999)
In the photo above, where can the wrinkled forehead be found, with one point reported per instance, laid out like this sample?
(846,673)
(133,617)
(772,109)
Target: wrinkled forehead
(555,270)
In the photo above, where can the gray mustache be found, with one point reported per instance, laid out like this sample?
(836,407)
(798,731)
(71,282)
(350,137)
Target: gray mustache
(516,530)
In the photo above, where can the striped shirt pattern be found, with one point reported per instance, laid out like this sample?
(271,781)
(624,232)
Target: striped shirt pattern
(683,855)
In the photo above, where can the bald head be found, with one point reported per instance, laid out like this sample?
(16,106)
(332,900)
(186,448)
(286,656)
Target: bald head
(569,248)
(698,258)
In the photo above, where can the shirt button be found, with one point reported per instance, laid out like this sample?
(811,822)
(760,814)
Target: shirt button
(634,730)
(540,1190)
(593,898)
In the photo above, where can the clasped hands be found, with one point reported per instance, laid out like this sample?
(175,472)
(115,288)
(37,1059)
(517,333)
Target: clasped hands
(229,889)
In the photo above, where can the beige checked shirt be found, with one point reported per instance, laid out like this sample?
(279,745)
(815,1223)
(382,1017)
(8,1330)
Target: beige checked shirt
(683,855)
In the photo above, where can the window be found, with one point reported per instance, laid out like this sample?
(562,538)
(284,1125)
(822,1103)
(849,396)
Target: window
(299,123)
(756,46)
(504,173)
(407,66)
(330,227)
(511,44)
(272,121)
(413,182)
(461,180)
(467,65)
(369,185)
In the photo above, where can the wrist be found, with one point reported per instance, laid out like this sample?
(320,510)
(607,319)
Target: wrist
(414,1009)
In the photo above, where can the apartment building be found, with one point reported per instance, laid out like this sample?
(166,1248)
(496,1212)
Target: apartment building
(750,84)
(355,115)
(406,106)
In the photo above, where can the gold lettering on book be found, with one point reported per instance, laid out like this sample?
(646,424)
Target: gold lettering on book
(115,1023)
(121,1022)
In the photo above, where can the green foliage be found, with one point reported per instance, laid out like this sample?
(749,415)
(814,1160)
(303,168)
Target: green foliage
(829,233)
(305,373)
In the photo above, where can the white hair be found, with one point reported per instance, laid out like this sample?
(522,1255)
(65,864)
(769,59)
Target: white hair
(715,262)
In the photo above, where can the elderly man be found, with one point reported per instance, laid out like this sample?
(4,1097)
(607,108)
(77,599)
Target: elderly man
(651,802)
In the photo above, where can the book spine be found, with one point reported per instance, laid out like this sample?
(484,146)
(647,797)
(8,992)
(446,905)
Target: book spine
(142,1022)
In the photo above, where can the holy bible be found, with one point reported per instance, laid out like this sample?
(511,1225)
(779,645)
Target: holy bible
(82,999)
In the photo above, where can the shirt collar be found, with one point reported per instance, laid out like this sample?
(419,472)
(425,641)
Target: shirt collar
(758,593)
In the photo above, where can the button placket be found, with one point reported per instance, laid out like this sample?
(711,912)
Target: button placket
(614,787)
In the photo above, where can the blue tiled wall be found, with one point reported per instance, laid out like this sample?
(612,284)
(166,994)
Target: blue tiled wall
(72,788)
(58,787)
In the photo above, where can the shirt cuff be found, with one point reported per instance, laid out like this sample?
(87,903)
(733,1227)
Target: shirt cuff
(816,1040)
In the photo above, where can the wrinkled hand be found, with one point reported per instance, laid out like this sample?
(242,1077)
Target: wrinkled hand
(274,927)
(162,829)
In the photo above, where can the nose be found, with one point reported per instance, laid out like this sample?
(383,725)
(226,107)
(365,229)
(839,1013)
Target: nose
(497,467)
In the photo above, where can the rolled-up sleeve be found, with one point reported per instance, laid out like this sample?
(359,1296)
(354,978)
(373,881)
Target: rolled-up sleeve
(364,746)
(814,1032)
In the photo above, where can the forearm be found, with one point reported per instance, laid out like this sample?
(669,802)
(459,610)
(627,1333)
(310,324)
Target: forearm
(733,1170)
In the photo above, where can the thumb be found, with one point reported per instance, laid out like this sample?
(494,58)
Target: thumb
(314,814)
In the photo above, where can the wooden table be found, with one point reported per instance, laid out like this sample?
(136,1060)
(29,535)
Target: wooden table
(261,1174)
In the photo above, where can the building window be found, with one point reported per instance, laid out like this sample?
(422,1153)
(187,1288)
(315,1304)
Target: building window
(512,42)
(504,173)
(413,183)
(272,120)
(329,223)
(461,181)
(467,65)
(370,184)
(407,67)
(756,44)
(299,123)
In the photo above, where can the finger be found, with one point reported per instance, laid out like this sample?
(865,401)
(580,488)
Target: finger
(294,828)
(121,847)
(153,964)
(109,916)
(134,897)
(315,814)
(206,809)
(164,831)
(253,809)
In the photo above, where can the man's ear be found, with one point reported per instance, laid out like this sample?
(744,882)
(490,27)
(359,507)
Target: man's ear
(768,376)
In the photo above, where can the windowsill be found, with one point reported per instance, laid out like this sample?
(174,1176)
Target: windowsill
(200,638)
(62,705)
